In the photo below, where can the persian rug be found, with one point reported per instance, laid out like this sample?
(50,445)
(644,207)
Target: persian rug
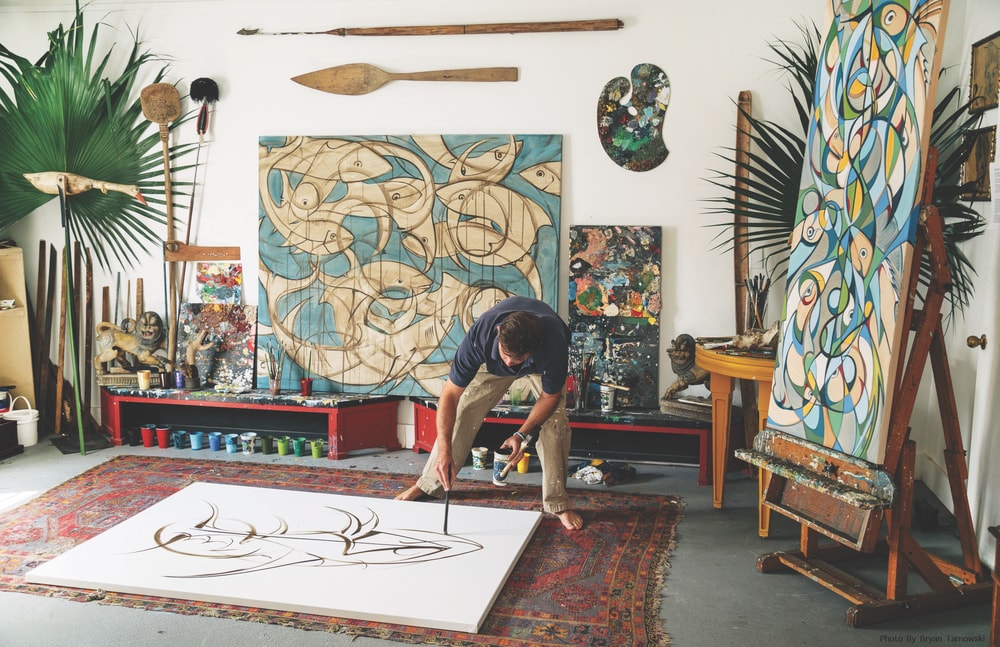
(596,587)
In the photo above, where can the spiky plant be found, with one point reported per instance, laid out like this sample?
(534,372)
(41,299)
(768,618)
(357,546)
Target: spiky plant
(64,114)
(769,201)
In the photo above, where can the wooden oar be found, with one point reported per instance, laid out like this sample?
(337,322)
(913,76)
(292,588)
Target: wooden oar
(608,24)
(362,78)
(161,104)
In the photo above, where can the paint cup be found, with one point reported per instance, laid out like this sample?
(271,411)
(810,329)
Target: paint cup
(306,385)
(523,464)
(248,441)
(215,440)
(232,443)
(135,437)
(479,457)
(144,382)
(180,439)
(197,439)
(299,446)
(148,434)
(163,436)
(500,458)
(317,448)
(266,445)
(283,444)
(607,398)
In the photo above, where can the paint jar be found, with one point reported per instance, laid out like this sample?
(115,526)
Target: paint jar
(247,442)
(197,439)
(479,457)
(523,464)
(143,377)
(500,458)
(163,436)
(317,448)
(215,440)
(148,434)
(607,398)
(232,443)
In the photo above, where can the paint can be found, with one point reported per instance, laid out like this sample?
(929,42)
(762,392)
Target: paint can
(479,457)
(607,398)
(247,442)
(500,458)
(27,422)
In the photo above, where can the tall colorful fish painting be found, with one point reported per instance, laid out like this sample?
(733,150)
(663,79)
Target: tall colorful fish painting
(378,252)
(856,224)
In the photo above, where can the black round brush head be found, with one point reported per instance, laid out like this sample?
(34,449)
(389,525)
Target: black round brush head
(204,89)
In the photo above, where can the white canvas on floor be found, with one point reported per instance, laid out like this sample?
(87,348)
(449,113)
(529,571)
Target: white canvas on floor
(327,554)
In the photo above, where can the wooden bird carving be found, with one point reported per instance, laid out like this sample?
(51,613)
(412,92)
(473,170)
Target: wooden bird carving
(48,182)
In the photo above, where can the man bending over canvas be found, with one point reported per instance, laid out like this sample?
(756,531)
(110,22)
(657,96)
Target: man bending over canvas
(517,337)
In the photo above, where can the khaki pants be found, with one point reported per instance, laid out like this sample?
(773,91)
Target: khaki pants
(552,444)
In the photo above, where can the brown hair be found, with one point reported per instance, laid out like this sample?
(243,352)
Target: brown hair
(520,333)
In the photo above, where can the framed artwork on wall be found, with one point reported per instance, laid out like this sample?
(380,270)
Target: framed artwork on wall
(976,167)
(984,79)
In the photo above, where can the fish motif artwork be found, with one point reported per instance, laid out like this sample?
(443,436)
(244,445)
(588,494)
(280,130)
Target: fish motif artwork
(630,118)
(854,232)
(378,252)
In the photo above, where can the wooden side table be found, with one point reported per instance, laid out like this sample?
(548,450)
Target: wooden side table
(724,369)
(995,620)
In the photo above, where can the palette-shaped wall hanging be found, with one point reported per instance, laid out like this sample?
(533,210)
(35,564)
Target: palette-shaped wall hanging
(630,118)
(614,309)
(855,228)
(378,252)
(226,353)
(306,552)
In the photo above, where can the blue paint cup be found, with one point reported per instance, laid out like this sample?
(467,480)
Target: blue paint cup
(215,440)
(232,443)
(197,439)
(180,439)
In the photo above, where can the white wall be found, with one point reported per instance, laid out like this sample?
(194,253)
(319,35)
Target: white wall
(711,50)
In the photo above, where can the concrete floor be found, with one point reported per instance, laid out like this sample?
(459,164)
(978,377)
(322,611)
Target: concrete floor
(712,597)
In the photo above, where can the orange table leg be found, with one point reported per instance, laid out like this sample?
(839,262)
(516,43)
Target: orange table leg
(722,398)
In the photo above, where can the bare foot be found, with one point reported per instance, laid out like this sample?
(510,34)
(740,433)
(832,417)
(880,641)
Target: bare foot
(570,520)
(411,493)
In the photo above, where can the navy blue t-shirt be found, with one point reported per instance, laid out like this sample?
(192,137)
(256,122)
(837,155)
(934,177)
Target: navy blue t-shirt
(481,346)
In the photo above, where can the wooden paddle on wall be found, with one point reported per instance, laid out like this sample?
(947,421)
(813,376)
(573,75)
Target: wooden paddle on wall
(362,78)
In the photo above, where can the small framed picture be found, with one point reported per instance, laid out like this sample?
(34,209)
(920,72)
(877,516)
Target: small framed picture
(981,144)
(984,80)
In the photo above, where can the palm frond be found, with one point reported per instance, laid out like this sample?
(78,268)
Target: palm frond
(64,114)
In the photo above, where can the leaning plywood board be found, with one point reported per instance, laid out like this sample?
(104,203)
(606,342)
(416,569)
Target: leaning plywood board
(349,557)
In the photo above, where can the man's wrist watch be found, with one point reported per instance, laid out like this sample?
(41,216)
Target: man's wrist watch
(519,435)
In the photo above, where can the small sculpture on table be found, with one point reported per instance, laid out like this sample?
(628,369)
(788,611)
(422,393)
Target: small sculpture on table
(140,339)
(682,363)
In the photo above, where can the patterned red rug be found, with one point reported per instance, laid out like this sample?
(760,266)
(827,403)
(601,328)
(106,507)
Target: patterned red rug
(599,586)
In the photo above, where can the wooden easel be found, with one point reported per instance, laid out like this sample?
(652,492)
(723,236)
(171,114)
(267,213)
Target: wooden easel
(836,496)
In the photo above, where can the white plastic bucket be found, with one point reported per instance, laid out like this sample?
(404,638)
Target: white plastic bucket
(27,422)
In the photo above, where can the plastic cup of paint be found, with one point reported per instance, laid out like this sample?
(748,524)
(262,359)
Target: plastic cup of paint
(163,436)
(479,457)
(317,448)
(524,463)
(197,439)
(148,434)
(283,444)
(500,459)
(215,440)
(299,446)
(232,443)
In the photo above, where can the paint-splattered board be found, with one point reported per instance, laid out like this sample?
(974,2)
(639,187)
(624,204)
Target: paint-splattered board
(307,552)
